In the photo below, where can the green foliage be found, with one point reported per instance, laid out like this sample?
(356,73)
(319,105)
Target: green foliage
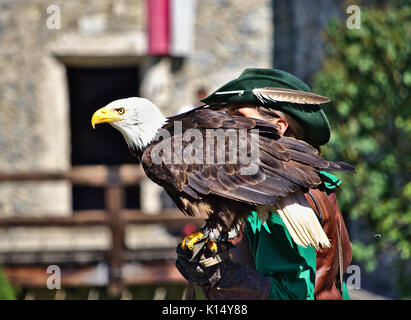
(367,74)
(6,291)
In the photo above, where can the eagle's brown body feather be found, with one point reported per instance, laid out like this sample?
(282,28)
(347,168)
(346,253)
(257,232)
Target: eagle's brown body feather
(220,191)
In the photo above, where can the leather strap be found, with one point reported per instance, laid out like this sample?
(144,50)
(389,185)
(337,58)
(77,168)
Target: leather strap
(339,245)
(340,261)
(319,214)
(190,292)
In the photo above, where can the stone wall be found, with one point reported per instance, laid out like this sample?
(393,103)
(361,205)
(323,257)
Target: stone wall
(230,36)
(34,123)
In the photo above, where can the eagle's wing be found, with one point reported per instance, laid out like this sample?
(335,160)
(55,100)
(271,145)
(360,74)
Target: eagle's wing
(227,191)
(284,164)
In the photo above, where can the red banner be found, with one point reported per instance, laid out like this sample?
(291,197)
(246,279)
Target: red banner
(158,27)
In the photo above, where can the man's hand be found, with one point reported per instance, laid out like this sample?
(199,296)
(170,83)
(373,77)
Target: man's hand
(220,277)
(204,269)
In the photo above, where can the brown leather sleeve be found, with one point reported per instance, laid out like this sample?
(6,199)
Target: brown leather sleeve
(327,275)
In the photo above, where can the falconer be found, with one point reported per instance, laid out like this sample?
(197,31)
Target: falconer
(266,262)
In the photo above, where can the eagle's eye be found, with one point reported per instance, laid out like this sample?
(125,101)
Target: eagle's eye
(120,110)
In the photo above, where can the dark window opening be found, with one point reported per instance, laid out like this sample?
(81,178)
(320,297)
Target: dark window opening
(89,90)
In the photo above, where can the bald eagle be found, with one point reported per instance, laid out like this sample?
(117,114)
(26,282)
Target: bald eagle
(224,191)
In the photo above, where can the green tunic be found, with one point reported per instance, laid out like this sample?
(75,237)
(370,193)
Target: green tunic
(290,267)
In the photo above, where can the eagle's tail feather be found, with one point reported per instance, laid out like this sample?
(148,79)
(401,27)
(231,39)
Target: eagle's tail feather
(301,222)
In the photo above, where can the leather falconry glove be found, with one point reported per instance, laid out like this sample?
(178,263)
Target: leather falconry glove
(220,277)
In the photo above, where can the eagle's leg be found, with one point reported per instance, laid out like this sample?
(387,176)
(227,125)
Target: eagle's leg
(205,233)
(212,245)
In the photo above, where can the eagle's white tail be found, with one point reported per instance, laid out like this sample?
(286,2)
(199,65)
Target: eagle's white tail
(301,221)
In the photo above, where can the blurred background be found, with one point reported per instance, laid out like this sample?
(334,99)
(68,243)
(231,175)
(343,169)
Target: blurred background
(76,207)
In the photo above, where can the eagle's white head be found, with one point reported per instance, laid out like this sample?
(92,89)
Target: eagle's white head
(138,120)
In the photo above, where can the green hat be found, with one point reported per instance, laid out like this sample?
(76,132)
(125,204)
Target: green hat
(280,90)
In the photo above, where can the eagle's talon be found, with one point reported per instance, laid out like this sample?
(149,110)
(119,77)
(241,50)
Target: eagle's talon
(190,240)
(212,245)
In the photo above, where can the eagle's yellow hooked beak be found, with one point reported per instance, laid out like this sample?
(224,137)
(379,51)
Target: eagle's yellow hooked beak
(105,115)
